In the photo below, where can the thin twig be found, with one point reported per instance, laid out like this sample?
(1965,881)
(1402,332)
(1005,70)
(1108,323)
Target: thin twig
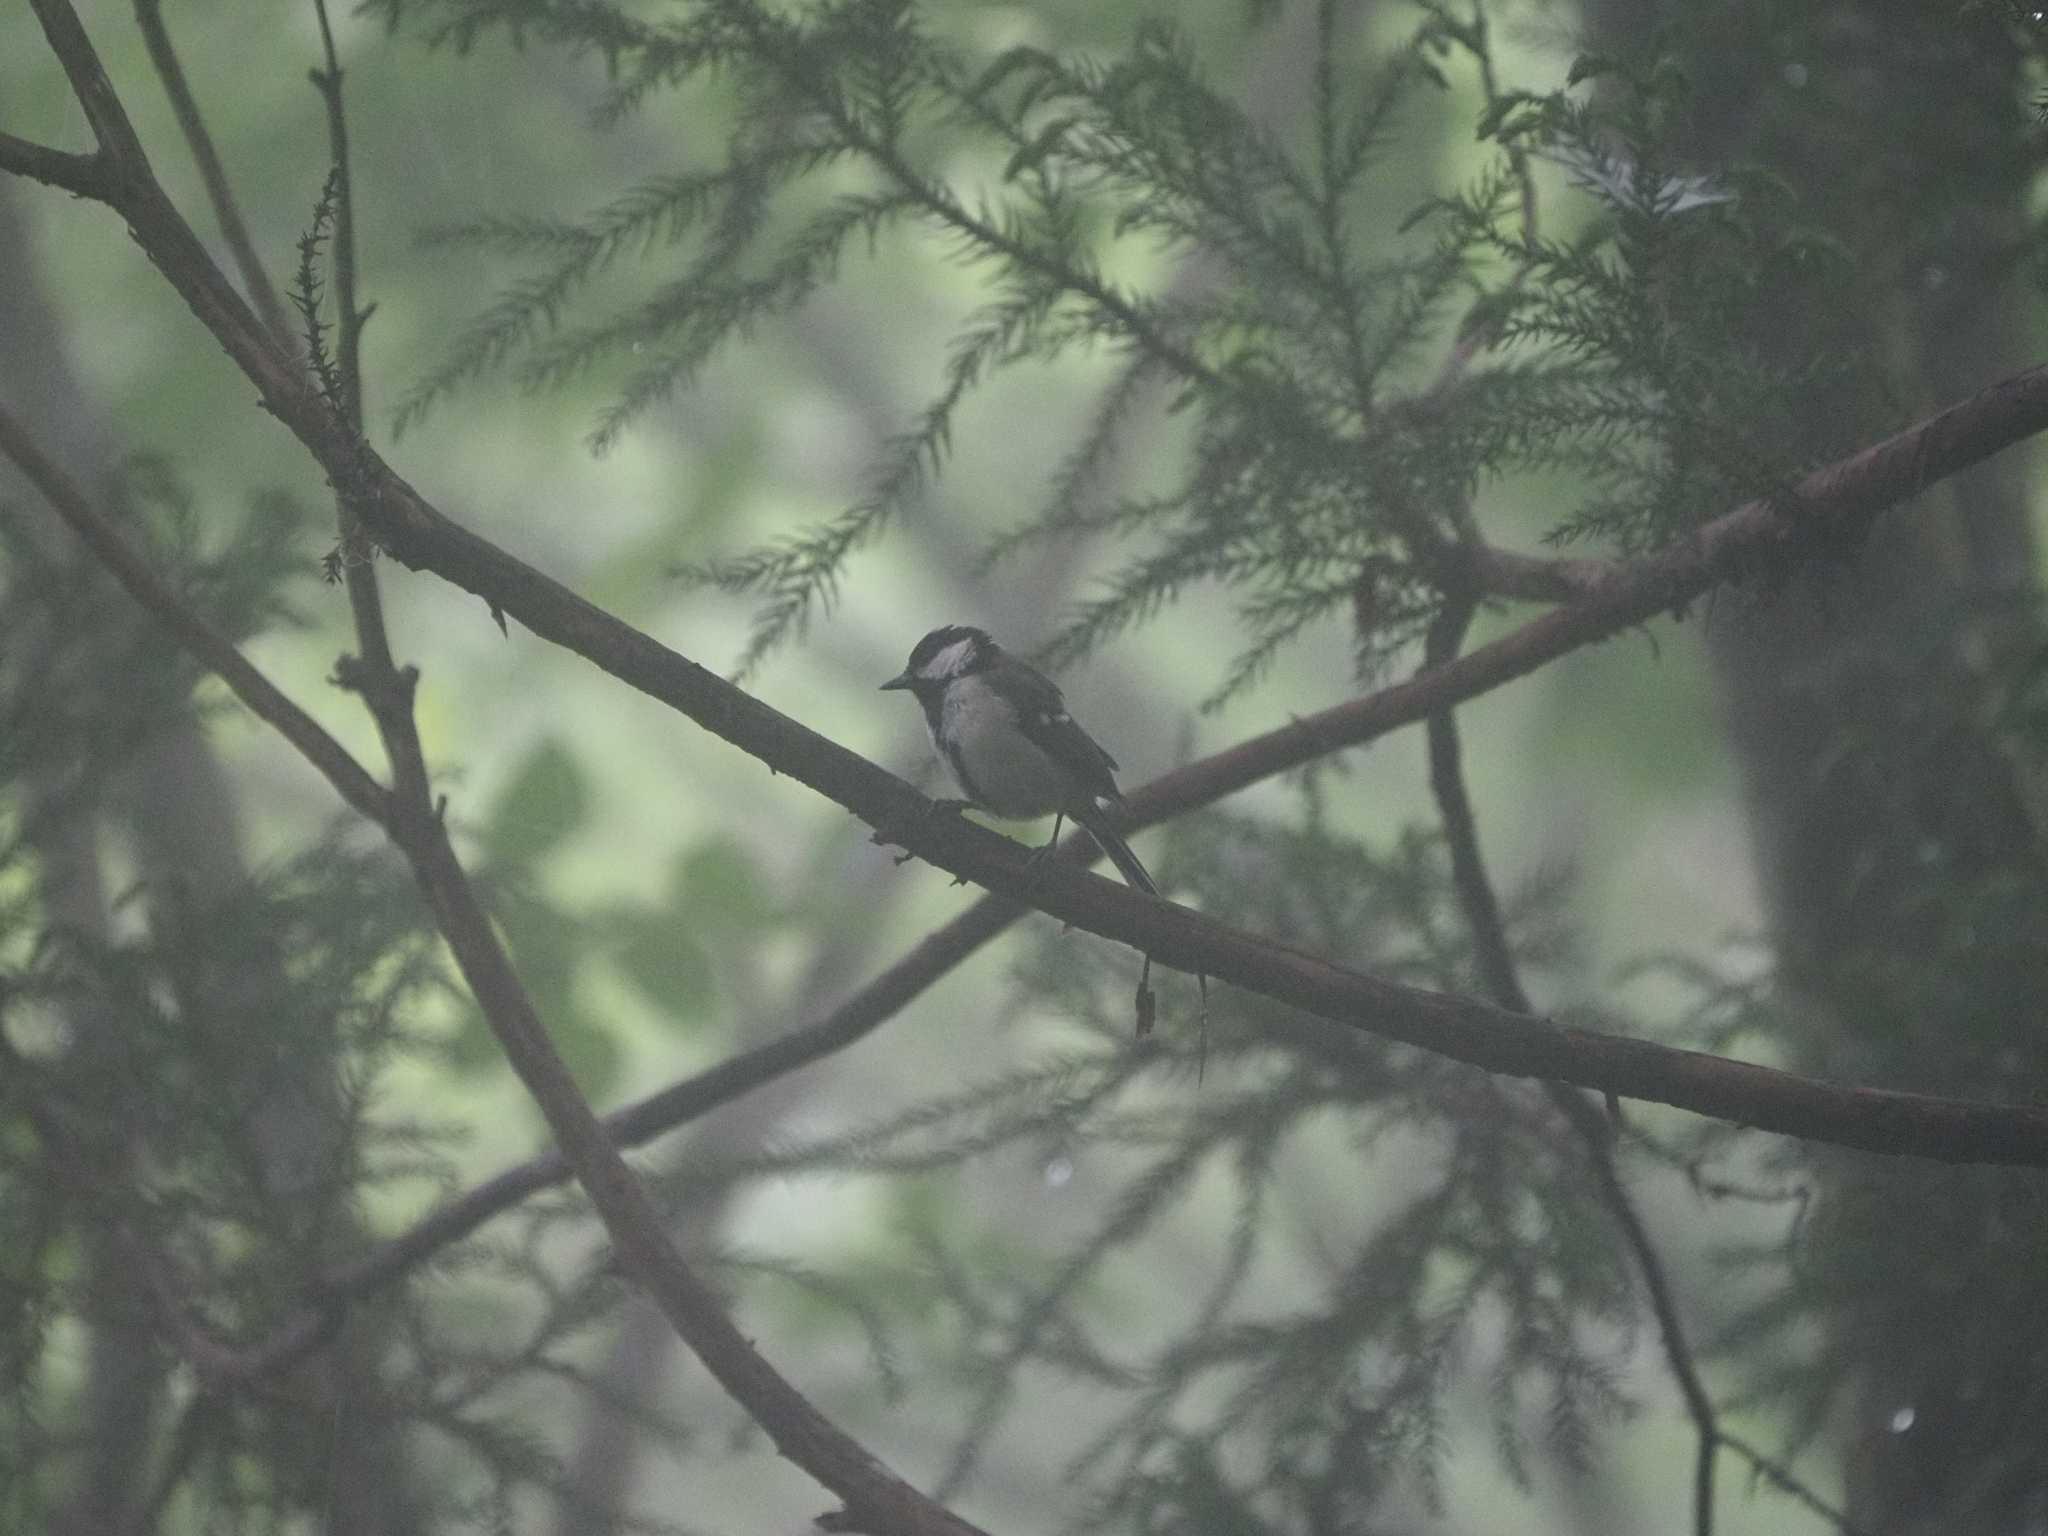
(349,318)
(207,645)
(1518,156)
(80,175)
(386,689)
(873,1494)
(149,16)
(1502,977)
(1779,1475)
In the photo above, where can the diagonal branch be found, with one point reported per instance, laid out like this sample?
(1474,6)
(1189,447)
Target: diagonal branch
(1778,1476)
(1827,506)
(875,1498)
(81,175)
(118,142)
(149,16)
(1825,510)
(207,645)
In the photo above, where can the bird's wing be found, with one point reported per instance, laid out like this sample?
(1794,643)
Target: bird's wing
(1042,716)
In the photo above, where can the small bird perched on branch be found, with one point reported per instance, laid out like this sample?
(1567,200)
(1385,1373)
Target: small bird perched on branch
(1003,729)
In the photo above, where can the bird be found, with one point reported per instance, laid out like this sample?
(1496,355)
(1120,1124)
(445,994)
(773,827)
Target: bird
(1002,727)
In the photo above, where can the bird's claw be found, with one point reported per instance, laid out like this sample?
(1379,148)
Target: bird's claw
(944,806)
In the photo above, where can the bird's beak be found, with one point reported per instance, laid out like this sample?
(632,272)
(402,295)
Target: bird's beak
(900,680)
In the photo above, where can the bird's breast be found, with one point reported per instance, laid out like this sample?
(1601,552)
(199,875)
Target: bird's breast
(997,764)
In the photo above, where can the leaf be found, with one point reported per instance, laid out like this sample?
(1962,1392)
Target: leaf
(547,799)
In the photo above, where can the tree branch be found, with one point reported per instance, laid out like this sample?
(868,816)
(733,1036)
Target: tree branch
(80,175)
(1775,1472)
(348,317)
(149,16)
(876,1499)
(385,689)
(1825,510)
(1502,977)
(111,129)
(1827,507)
(207,645)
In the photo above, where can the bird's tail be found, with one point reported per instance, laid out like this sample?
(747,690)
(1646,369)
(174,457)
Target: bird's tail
(1136,876)
(1120,855)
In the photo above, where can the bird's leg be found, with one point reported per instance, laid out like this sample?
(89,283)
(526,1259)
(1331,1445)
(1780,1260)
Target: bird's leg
(1059,820)
(1045,850)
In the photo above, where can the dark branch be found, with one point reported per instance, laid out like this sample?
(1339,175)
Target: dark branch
(111,129)
(205,644)
(875,1497)
(1775,1473)
(386,690)
(1678,1353)
(149,16)
(81,175)
(1826,508)
(349,318)
(1502,978)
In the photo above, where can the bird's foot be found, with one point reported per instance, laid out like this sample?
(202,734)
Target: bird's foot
(944,806)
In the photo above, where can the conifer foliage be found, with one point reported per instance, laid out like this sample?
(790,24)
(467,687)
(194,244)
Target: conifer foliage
(1324,1278)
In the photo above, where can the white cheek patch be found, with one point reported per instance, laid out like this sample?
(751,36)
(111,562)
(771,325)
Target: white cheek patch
(948,662)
